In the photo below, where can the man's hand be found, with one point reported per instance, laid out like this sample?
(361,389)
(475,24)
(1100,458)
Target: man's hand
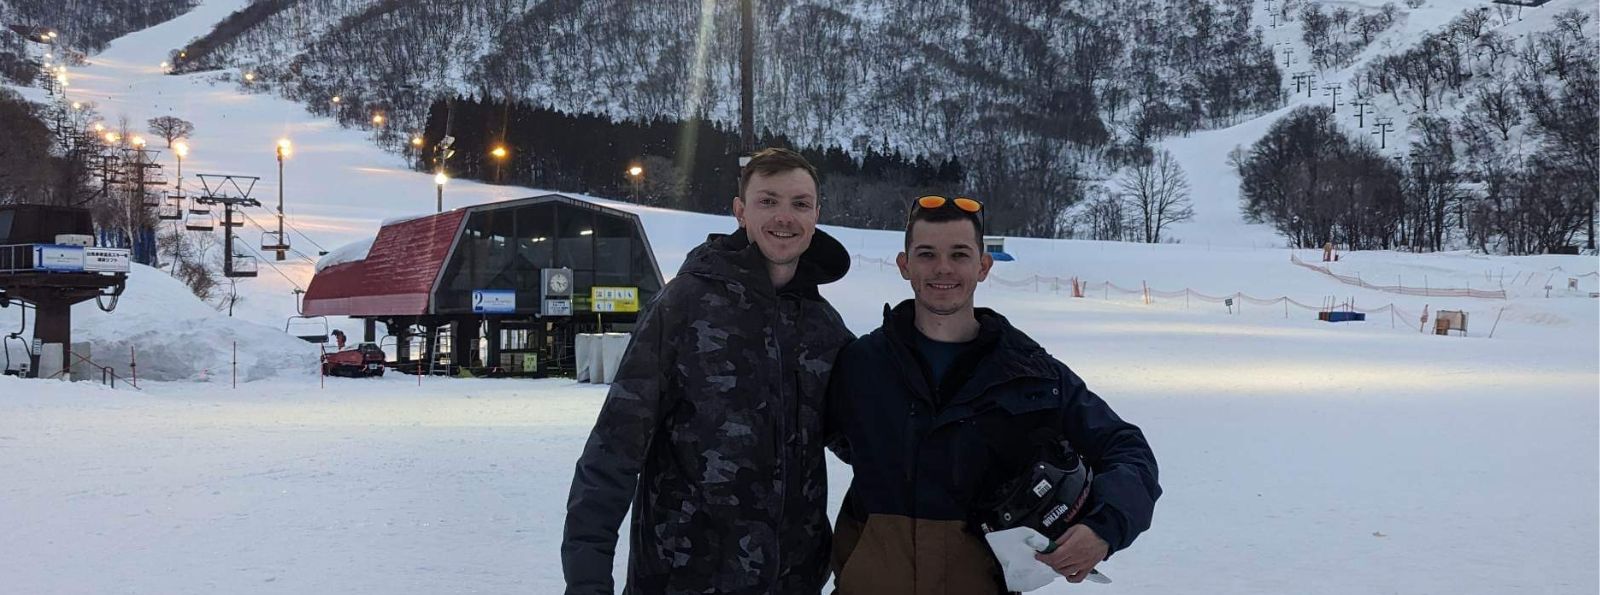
(1077,552)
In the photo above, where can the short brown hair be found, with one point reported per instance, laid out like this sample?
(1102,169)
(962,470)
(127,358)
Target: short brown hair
(774,160)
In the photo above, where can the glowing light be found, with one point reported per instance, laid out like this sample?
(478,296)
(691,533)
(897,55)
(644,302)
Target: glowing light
(440,178)
(181,148)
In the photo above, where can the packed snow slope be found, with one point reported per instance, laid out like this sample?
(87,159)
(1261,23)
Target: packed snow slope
(1296,456)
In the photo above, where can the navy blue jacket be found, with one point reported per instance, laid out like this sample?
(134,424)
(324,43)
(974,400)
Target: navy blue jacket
(929,452)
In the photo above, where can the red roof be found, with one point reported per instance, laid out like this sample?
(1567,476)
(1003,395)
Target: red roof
(395,279)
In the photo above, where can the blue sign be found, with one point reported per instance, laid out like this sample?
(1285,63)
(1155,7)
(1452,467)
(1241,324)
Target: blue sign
(56,258)
(494,301)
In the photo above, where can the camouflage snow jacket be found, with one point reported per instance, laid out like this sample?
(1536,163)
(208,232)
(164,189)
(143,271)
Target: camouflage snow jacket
(713,431)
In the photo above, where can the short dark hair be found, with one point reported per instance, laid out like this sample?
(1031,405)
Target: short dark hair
(774,160)
(948,212)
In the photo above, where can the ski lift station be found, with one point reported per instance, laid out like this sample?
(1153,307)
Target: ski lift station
(495,289)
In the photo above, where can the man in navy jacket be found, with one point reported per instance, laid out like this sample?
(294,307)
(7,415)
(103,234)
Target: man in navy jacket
(943,404)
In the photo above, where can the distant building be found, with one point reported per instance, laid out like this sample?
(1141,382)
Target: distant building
(517,273)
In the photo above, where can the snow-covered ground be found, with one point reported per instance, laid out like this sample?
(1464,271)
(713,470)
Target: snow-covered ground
(1297,456)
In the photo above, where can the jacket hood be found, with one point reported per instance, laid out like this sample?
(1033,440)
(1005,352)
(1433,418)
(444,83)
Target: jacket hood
(734,258)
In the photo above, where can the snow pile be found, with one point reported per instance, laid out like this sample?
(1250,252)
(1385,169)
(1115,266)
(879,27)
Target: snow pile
(175,336)
(350,252)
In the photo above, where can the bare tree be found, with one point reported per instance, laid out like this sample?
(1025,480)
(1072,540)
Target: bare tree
(171,128)
(1497,106)
(1158,192)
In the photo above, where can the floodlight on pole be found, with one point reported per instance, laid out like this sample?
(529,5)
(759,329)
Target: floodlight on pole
(439,180)
(284,148)
(635,177)
(181,150)
(377,119)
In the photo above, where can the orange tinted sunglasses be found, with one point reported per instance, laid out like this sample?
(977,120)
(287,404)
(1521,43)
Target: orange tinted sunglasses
(934,201)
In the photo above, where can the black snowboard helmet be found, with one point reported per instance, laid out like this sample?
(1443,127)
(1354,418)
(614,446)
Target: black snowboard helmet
(1049,495)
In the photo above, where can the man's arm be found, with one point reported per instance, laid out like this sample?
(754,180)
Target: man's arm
(837,408)
(1123,495)
(607,474)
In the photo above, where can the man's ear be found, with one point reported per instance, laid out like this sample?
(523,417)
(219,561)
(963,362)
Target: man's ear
(985,262)
(738,210)
(900,261)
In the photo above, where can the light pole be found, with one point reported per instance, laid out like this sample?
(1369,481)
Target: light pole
(439,180)
(284,148)
(181,150)
(499,153)
(636,175)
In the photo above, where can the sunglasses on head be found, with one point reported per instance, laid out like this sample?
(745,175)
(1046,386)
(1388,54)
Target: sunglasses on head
(932,201)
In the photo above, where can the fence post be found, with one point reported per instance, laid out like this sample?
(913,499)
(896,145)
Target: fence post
(133,366)
(1496,321)
(236,364)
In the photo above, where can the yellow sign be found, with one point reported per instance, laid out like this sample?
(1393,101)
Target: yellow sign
(614,299)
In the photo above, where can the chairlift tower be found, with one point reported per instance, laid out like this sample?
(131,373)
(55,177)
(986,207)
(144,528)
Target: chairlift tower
(230,191)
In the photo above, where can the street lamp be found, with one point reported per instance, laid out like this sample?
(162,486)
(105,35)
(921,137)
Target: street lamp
(416,141)
(138,141)
(181,150)
(439,180)
(249,77)
(499,153)
(337,99)
(377,119)
(112,138)
(283,150)
(636,175)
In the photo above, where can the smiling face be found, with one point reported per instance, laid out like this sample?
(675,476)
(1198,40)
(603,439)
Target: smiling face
(779,213)
(944,263)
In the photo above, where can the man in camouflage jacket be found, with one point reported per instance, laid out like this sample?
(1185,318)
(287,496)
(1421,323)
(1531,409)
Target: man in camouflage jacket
(713,427)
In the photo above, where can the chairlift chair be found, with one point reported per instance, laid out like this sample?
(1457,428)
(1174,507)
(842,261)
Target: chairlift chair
(244,265)
(198,222)
(199,208)
(151,199)
(274,241)
(169,212)
(312,329)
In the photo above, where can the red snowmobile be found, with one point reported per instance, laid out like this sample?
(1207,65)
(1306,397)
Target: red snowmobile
(365,361)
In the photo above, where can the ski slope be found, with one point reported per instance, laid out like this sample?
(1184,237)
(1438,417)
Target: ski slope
(1297,456)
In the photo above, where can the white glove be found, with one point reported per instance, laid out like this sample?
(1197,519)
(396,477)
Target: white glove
(1015,549)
